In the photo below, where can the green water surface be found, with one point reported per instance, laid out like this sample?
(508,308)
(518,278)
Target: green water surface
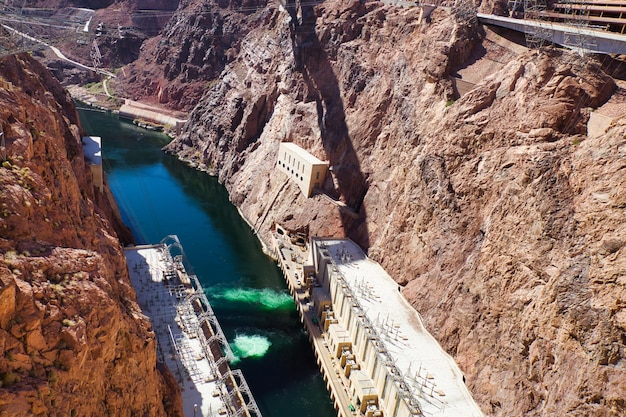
(158,196)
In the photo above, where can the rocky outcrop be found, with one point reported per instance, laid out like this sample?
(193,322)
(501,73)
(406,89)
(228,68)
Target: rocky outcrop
(118,28)
(73,339)
(177,66)
(503,221)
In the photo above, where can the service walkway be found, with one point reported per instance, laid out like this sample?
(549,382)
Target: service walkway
(573,37)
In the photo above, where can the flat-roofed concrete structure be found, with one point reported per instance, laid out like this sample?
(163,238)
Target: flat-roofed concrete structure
(399,369)
(596,41)
(135,110)
(307,171)
(92,149)
(364,394)
(189,338)
(321,300)
(339,340)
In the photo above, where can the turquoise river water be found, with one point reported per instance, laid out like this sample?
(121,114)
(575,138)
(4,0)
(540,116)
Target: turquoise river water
(158,196)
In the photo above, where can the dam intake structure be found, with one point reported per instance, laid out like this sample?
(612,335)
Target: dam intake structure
(376,361)
(190,340)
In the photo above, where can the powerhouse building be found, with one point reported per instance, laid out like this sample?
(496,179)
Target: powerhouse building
(392,365)
(307,171)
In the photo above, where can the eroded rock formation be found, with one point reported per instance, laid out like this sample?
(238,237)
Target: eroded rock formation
(177,66)
(502,219)
(73,340)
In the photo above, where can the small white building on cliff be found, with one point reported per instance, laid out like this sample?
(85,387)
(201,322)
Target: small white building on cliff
(92,148)
(307,171)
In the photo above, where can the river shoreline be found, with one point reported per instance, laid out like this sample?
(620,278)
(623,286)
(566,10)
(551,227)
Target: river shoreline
(159,195)
(83,95)
(147,116)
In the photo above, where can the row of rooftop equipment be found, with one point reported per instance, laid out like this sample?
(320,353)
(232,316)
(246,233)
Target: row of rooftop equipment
(388,366)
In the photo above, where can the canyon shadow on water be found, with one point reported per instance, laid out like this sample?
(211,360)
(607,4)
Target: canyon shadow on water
(158,195)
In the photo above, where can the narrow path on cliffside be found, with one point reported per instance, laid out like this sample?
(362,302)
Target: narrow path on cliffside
(58,53)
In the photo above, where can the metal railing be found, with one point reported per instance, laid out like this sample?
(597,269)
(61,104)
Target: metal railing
(192,320)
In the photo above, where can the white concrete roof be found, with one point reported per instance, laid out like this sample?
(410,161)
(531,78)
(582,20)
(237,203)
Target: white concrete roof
(159,302)
(439,382)
(92,148)
(295,149)
(338,333)
(363,383)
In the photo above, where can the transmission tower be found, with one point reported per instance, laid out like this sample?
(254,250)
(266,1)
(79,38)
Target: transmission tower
(95,54)
(11,26)
(28,28)
(465,12)
(577,14)
(536,36)
(572,13)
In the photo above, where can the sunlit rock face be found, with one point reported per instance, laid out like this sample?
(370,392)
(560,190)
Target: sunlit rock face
(72,337)
(503,221)
(176,67)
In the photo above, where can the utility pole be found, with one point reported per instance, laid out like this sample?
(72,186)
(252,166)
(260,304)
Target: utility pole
(96,56)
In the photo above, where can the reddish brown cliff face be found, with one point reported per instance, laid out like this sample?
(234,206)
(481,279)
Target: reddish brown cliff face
(72,339)
(175,68)
(503,220)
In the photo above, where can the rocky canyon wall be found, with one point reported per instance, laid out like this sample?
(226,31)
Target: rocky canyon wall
(73,340)
(501,218)
(177,66)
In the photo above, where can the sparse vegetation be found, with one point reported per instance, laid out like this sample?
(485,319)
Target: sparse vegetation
(211,83)
(94,88)
(9,378)
(10,256)
(17,319)
(59,365)
(68,323)
(167,403)
(52,376)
